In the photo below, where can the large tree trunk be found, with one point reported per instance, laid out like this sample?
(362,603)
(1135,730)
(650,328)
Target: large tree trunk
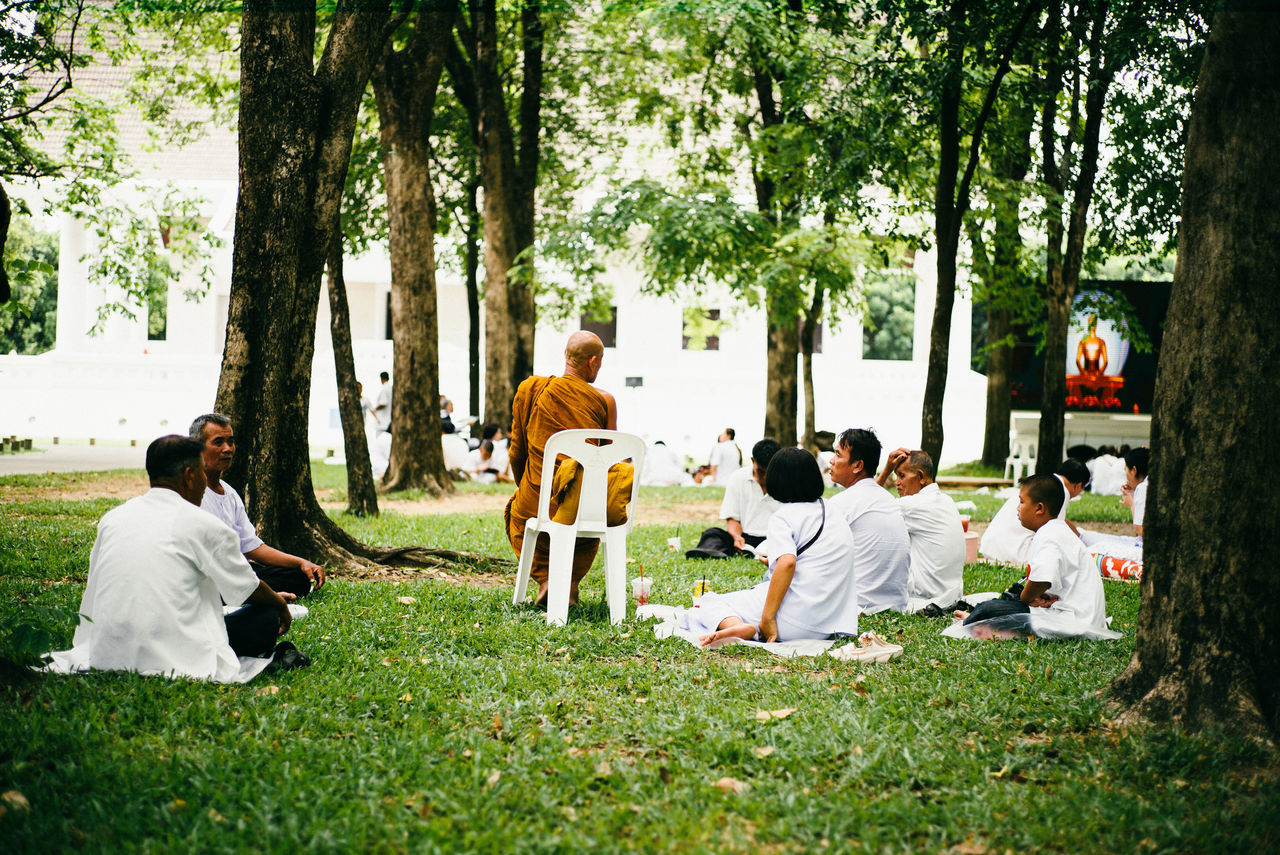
(509,172)
(405,84)
(783,360)
(1063,288)
(808,332)
(296,128)
(951,199)
(362,498)
(1208,634)
(4,234)
(472,264)
(995,443)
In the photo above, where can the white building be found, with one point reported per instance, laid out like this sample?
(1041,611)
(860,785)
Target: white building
(122,385)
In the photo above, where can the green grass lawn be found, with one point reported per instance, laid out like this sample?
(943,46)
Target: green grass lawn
(458,722)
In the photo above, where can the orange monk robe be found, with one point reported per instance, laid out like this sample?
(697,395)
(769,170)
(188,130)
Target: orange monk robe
(544,406)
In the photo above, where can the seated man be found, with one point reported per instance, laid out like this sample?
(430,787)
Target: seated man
(1005,538)
(882,550)
(746,509)
(159,571)
(1134,496)
(280,570)
(1062,596)
(481,466)
(936,573)
(543,407)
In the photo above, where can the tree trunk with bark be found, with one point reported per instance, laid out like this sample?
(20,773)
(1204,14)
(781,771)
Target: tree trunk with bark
(783,360)
(1207,647)
(509,172)
(472,263)
(995,443)
(809,332)
(362,497)
(296,127)
(951,200)
(1065,263)
(405,84)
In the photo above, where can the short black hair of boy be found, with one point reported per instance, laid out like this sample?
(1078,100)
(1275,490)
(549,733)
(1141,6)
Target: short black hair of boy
(1074,471)
(489,431)
(863,445)
(794,476)
(1140,459)
(762,452)
(1046,490)
(169,455)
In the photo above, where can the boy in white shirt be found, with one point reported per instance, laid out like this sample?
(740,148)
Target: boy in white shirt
(1062,595)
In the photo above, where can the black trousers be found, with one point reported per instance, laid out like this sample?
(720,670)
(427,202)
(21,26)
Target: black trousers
(281,579)
(253,630)
(998,607)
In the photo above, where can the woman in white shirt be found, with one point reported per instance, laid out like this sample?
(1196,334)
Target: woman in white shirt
(809,590)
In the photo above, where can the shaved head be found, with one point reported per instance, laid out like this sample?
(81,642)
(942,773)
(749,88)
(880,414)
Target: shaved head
(582,346)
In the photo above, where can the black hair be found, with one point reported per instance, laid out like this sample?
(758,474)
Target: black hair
(794,476)
(922,463)
(762,452)
(196,431)
(1140,459)
(1083,453)
(729,433)
(1045,489)
(384,376)
(1074,471)
(486,445)
(863,445)
(169,455)
(489,431)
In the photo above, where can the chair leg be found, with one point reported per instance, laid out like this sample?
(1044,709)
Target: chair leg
(615,574)
(526,565)
(559,575)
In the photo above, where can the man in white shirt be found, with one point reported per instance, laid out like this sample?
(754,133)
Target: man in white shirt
(933,524)
(1007,540)
(882,552)
(726,458)
(382,409)
(746,509)
(280,570)
(159,571)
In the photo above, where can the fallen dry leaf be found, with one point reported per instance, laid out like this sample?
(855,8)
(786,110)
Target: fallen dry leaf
(176,806)
(857,749)
(731,785)
(405,698)
(388,661)
(560,650)
(215,816)
(782,713)
(604,769)
(642,700)
(493,778)
(15,800)
(268,690)
(762,751)
(763,715)
(406,600)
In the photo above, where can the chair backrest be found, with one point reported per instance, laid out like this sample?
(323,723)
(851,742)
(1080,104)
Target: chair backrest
(595,459)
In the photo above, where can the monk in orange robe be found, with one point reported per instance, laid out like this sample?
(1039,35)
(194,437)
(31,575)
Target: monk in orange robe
(542,407)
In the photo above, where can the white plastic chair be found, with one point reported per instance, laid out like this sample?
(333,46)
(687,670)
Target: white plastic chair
(1021,459)
(591,521)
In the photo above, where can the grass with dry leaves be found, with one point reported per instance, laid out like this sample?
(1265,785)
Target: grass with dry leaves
(438,716)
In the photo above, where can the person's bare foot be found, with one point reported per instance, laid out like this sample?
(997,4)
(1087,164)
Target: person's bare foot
(960,614)
(730,627)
